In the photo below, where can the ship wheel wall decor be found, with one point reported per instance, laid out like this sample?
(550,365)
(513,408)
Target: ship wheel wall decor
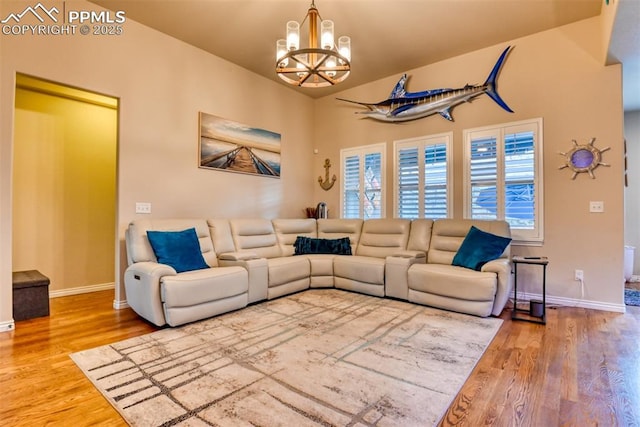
(583,158)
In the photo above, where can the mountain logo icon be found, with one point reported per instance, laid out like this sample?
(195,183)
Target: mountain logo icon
(39,11)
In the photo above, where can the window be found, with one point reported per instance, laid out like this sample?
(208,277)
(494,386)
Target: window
(363,181)
(503,177)
(423,181)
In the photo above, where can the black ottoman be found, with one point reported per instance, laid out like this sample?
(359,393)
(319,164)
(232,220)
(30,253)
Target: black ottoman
(30,295)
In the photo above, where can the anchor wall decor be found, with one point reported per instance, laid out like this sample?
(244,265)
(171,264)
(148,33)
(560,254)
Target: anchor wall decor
(326,184)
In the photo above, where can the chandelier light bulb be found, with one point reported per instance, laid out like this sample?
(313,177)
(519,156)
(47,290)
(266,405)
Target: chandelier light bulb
(326,34)
(331,63)
(281,50)
(344,46)
(293,35)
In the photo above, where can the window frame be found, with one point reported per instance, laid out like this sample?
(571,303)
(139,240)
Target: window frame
(421,143)
(361,152)
(533,237)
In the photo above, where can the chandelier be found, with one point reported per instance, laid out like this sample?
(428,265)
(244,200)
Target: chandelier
(323,63)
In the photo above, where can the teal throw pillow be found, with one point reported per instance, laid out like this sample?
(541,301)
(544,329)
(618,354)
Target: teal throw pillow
(178,249)
(308,245)
(478,248)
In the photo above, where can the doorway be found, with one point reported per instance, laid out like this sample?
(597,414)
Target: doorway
(64,185)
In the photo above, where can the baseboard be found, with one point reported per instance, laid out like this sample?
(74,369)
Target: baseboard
(573,302)
(81,290)
(7,326)
(119,305)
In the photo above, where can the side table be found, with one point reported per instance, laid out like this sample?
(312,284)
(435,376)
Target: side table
(537,312)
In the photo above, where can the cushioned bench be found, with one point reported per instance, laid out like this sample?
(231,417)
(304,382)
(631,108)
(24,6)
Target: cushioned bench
(30,295)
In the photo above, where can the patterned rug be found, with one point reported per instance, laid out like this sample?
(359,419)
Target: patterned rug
(317,358)
(632,297)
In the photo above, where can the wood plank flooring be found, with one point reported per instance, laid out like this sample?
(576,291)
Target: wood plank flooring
(632,285)
(581,369)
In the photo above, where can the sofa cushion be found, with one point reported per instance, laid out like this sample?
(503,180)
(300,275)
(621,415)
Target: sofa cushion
(139,249)
(255,235)
(198,287)
(453,282)
(336,228)
(420,235)
(178,249)
(287,230)
(321,265)
(307,245)
(288,269)
(381,238)
(448,234)
(478,248)
(361,268)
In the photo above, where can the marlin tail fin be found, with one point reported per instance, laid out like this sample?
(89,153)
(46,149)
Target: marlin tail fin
(491,84)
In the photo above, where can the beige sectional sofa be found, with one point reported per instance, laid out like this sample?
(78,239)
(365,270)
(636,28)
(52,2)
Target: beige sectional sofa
(253,260)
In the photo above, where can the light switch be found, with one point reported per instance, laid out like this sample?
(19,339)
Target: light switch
(143,208)
(597,206)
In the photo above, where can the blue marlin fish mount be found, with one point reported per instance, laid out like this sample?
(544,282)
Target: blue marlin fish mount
(402,106)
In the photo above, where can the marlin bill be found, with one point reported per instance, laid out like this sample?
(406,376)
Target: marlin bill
(402,106)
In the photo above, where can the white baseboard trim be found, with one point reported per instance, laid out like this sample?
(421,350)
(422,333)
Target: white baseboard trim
(573,302)
(7,326)
(119,305)
(81,290)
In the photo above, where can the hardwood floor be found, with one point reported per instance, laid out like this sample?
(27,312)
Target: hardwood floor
(40,384)
(632,285)
(581,369)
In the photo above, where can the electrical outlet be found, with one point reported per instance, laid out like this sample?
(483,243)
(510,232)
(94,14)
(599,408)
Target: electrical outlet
(579,275)
(597,206)
(143,208)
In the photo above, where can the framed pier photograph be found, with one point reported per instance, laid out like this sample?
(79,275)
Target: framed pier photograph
(230,146)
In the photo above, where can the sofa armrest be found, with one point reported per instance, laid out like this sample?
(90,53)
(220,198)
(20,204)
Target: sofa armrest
(257,269)
(396,273)
(238,256)
(410,254)
(142,285)
(502,268)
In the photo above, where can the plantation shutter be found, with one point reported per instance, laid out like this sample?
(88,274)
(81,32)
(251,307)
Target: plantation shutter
(408,179)
(435,181)
(363,181)
(351,193)
(483,178)
(372,186)
(422,177)
(503,177)
(519,180)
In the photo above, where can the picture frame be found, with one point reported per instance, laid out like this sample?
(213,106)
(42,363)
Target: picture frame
(230,146)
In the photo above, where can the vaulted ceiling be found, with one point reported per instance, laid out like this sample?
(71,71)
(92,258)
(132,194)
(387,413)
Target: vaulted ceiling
(388,37)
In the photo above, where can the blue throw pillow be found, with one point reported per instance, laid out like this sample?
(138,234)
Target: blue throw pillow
(178,249)
(478,248)
(308,245)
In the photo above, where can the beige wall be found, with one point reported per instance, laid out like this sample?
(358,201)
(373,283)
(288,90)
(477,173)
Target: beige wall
(547,75)
(64,189)
(162,84)
(632,192)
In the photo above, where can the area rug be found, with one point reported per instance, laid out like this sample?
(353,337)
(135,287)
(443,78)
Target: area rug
(631,297)
(320,357)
